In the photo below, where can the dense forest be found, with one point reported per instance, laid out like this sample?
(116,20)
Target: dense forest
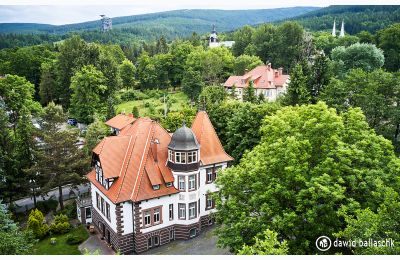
(369,18)
(171,24)
(321,159)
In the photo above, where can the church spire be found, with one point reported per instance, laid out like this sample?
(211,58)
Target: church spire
(334,28)
(342,30)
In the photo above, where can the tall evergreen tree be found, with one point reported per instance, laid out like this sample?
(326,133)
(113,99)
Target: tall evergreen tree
(297,90)
(58,159)
(249,93)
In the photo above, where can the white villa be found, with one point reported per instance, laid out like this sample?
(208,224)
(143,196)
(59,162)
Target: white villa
(149,188)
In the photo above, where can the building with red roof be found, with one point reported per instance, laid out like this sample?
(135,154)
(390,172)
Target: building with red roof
(266,81)
(149,188)
(119,122)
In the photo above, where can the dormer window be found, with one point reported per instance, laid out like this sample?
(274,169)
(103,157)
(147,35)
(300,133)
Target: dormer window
(168,184)
(156,187)
(170,156)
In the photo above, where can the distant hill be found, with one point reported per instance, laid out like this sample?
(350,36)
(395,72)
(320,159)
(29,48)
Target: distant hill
(180,22)
(356,18)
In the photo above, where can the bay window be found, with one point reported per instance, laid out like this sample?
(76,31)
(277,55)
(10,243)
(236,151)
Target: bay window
(192,157)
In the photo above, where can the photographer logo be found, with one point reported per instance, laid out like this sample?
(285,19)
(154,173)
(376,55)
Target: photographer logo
(323,243)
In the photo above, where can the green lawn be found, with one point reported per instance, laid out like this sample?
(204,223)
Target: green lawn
(178,100)
(44,247)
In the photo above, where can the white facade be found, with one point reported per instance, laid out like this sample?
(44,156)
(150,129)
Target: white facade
(113,218)
(184,197)
(270,94)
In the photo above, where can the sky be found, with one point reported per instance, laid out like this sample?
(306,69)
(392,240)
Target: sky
(74,11)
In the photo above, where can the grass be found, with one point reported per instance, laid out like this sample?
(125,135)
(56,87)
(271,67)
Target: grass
(44,247)
(178,100)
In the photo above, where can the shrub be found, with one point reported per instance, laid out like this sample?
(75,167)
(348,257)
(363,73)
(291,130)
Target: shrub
(147,104)
(74,239)
(154,93)
(36,224)
(60,225)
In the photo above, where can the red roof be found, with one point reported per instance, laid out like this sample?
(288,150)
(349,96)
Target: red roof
(131,156)
(263,76)
(120,121)
(211,150)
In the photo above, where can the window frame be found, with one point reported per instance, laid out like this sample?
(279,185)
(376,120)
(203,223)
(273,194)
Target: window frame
(210,198)
(156,214)
(182,177)
(150,213)
(180,207)
(98,201)
(147,215)
(171,211)
(193,157)
(209,173)
(192,179)
(102,205)
(170,156)
(108,211)
(192,207)
(182,158)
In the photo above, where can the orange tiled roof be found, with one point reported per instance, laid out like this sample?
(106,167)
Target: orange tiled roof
(211,150)
(131,156)
(120,121)
(263,77)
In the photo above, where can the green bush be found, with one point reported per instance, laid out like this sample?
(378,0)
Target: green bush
(74,240)
(154,93)
(47,205)
(36,224)
(60,225)
(147,104)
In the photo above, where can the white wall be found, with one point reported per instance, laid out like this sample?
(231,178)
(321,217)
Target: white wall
(182,197)
(127,215)
(113,222)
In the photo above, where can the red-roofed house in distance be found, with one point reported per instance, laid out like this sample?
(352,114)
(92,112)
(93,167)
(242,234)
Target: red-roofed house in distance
(266,81)
(119,122)
(149,188)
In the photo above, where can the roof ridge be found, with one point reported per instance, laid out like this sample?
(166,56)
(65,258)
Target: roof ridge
(122,182)
(144,158)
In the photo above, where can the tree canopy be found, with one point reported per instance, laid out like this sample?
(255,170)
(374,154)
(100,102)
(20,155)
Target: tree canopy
(310,165)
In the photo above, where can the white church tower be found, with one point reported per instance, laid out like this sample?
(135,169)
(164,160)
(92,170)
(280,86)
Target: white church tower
(342,30)
(213,41)
(334,28)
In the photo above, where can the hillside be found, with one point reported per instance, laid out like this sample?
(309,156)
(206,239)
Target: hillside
(356,18)
(181,21)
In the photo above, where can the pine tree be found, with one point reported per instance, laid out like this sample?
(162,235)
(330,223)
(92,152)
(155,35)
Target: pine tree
(249,93)
(297,92)
(58,160)
(319,77)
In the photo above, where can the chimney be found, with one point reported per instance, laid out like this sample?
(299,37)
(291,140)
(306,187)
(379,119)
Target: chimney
(246,71)
(154,144)
(269,66)
(276,73)
(280,71)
